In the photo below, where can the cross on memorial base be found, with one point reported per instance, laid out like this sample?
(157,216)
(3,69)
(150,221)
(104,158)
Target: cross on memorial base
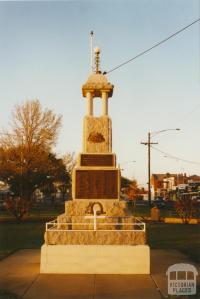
(94,217)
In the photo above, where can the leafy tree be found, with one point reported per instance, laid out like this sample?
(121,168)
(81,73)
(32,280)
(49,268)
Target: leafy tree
(58,177)
(25,152)
(132,190)
(125,182)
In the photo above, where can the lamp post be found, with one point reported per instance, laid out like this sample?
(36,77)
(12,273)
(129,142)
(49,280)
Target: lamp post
(149,143)
(125,162)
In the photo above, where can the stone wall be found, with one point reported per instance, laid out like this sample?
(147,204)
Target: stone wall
(84,207)
(95,237)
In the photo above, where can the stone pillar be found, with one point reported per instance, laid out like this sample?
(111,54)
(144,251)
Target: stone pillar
(104,103)
(89,97)
(155,214)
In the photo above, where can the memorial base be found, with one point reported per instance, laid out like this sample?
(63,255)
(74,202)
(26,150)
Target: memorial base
(85,207)
(95,259)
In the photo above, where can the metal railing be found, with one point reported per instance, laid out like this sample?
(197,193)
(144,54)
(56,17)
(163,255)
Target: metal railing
(136,226)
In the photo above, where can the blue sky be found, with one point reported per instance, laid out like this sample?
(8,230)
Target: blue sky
(44,54)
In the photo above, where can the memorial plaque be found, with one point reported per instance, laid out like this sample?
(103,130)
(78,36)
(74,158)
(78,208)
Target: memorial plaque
(97,160)
(96,184)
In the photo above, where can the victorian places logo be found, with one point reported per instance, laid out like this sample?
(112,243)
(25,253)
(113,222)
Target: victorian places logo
(181,279)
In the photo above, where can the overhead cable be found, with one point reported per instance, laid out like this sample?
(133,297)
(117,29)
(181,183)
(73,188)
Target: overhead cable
(174,157)
(154,46)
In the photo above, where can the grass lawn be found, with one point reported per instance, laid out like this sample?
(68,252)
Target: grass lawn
(145,211)
(183,237)
(27,234)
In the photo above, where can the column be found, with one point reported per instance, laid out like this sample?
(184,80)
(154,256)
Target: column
(89,97)
(104,103)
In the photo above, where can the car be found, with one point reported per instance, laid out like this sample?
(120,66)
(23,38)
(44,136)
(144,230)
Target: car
(159,203)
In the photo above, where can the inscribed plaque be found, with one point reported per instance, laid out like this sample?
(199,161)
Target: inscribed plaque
(96,184)
(97,160)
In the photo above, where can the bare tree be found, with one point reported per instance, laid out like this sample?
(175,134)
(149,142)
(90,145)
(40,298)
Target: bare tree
(186,207)
(32,127)
(69,161)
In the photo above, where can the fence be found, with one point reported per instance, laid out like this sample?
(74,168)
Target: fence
(136,226)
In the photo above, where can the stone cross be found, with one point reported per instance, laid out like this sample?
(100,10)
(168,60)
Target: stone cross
(95,216)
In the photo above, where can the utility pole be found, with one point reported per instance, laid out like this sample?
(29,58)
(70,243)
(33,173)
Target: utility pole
(149,143)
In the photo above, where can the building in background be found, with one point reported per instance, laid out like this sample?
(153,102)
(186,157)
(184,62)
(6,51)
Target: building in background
(167,184)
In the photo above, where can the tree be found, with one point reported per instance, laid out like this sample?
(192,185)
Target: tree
(125,182)
(58,177)
(186,207)
(69,161)
(132,190)
(32,128)
(25,151)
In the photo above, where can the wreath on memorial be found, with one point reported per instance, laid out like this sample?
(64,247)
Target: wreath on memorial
(96,137)
(89,209)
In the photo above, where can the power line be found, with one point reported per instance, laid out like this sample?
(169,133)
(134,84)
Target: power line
(188,114)
(154,46)
(174,157)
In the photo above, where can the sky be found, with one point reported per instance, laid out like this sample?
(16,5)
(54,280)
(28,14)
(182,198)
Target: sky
(45,54)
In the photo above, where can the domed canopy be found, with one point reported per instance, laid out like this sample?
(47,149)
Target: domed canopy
(97,83)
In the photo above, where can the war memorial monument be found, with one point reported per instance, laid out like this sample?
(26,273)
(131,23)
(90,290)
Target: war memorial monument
(97,233)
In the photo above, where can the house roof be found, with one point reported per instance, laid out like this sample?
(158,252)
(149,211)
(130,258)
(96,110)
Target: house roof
(161,176)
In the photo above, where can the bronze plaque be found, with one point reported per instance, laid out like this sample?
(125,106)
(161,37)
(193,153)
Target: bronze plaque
(97,160)
(96,184)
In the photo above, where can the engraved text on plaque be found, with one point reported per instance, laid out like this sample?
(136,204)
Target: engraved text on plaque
(100,184)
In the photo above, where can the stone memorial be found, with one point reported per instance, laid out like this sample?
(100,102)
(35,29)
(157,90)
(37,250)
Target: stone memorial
(96,234)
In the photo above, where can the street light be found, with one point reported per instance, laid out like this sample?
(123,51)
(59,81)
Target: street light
(125,162)
(149,143)
(161,131)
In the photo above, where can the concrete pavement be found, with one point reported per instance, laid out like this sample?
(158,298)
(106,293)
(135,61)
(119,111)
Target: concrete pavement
(161,260)
(19,274)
